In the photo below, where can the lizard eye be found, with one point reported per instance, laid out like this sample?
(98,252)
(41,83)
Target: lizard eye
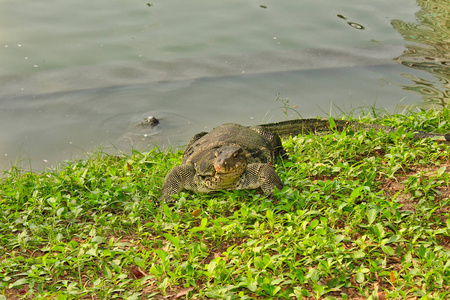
(236,153)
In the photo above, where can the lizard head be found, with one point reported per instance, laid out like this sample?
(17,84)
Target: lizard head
(230,159)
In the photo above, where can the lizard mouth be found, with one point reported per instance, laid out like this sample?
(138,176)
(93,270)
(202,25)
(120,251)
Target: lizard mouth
(226,176)
(226,168)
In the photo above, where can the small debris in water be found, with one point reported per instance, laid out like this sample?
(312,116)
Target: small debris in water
(149,121)
(356,25)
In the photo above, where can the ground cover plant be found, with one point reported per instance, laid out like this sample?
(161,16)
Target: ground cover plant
(363,215)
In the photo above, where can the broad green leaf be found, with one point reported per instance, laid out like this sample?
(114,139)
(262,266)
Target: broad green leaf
(379,231)
(51,201)
(107,272)
(92,252)
(175,241)
(333,126)
(204,222)
(60,211)
(252,286)
(371,215)
(356,192)
(276,290)
(277,281)
(19,282)
(314,223)
(139,261)
(59,297)
(334,282)
(408,256)
(134,296)
(97,282)
(196,229)
(339,238)
(81,252)
(98,239)
(358,254)
(221,220)
(314,275)
(161,254)
(212,266)
(257,249)
(388,250)
(359,277)
(441,170)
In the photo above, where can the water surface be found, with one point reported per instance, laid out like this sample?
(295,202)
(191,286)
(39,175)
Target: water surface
(78,75)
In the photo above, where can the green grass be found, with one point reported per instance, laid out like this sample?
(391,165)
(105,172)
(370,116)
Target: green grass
(364,215)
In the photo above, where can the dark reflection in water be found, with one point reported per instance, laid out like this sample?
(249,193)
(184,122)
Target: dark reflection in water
(431,51)
(352,24)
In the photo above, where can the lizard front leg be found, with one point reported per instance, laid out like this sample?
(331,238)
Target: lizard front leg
(179,178)
(261,175)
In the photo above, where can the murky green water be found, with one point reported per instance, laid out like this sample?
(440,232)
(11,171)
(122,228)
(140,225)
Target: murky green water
(77,75)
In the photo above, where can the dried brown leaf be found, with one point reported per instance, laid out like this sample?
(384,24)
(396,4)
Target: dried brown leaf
(137,272)
(183,292)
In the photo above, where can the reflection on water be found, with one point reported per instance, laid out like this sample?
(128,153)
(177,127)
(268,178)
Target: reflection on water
(432,54)
(352,24)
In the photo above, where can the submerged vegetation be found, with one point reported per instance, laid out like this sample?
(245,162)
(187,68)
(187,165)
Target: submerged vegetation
(363,215)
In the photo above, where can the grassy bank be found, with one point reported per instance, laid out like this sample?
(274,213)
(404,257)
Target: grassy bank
(364,215)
